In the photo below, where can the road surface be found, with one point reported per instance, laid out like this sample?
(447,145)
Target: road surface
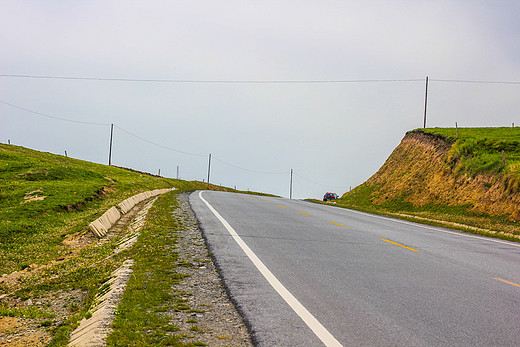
(305,274)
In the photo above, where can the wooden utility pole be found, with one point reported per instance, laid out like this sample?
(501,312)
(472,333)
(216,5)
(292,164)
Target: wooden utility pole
(209,166)
(425,102)
(290,187)
(457,127)
(110,150)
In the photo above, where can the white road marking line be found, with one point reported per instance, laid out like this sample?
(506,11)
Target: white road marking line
(318,329)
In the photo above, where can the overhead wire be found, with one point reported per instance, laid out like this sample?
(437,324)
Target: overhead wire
(249,170)
(475,81)
(147,80)
(320,184)
(158,145)
(53,117)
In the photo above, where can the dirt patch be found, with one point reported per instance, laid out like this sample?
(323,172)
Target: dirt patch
(35,195)
(21,332)
(16,331)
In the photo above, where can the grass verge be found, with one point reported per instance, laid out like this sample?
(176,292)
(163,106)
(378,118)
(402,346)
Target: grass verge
(140,318)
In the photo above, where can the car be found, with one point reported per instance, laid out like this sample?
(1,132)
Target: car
(330,196)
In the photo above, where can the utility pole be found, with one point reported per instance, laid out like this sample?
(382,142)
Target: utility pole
(177,171)
(425,102)
(290,187)
(209,166)
(110,150)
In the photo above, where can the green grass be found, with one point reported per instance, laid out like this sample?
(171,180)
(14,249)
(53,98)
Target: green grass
(479,150)
(140,319)
(24,312)
(74,193)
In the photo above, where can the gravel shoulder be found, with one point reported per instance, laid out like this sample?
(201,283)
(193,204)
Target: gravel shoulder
(220,323)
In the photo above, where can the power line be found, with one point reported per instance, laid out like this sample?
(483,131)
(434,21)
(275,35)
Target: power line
(158,145)
(320,184)
(149,80)
(53,117)
(476,82)
(258,172)
(208,81)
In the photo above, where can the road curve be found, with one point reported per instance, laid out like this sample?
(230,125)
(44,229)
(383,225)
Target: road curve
(366,280)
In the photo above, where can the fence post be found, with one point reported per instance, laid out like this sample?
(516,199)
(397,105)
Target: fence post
(110,149)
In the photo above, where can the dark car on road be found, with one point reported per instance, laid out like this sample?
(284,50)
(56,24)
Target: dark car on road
(330,196)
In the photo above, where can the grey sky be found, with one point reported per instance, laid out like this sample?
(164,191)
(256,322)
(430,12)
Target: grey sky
(334,135)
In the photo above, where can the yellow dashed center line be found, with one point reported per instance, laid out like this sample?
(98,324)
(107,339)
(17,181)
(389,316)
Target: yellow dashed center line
(502,280)
(281,206)
(338,224)
(398,244)
(304,213)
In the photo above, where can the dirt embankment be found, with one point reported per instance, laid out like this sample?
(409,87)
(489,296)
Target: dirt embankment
(418,172)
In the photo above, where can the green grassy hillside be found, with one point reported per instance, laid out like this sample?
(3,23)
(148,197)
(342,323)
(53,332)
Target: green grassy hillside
(479,150)
(470,181)
(45,197)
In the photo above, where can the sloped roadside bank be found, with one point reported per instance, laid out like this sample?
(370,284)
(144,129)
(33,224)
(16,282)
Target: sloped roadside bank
(428,179)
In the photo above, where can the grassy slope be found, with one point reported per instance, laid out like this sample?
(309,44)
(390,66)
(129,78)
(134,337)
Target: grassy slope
(477,151)
(75,193)
(34,233)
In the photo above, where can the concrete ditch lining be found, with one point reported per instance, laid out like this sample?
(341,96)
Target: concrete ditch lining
(94,330)
(101,225)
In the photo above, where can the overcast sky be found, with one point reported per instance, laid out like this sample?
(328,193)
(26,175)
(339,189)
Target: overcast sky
(334,135)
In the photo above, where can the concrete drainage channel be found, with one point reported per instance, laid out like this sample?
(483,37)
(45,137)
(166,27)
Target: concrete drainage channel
(94,330)
(101,225)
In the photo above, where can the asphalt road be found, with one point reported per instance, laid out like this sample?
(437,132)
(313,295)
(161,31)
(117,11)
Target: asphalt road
(364,280)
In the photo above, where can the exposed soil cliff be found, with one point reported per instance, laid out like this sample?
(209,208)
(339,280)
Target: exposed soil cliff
(420,171)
